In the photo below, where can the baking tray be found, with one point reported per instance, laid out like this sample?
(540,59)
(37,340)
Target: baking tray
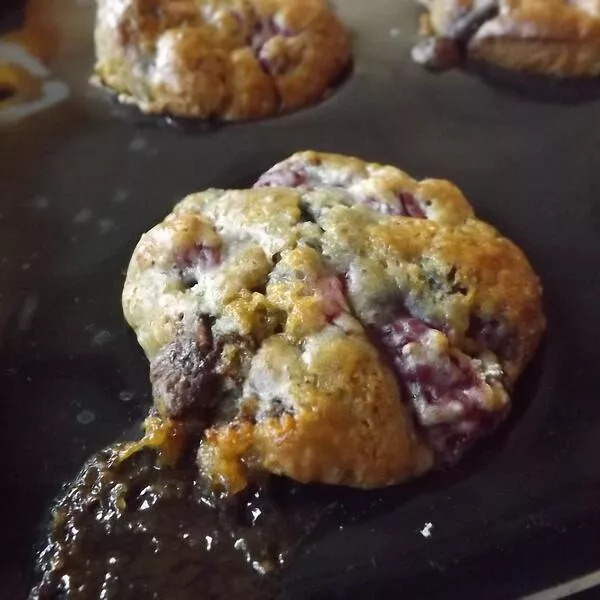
(80,183)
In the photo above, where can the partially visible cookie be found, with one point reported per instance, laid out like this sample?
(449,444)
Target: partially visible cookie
(355,326)
(555,37)
(237,59)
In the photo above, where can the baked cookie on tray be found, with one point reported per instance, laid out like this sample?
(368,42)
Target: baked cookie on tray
(553,37)
(229,59)
(341,322)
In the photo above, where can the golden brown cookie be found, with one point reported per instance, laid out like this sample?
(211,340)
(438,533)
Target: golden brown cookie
(341,322)
(555,37)
(236,59)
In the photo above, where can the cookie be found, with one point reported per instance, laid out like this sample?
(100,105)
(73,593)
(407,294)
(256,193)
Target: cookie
(552,37)
(238,59)
(341,322)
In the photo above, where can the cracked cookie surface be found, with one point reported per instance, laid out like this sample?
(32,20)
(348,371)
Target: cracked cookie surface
(341,322)
(228,59)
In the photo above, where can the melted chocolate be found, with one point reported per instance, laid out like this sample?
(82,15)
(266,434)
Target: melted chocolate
(135,530)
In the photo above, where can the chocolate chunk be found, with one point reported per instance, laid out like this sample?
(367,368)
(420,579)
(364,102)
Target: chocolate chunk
(437,53)
(183,376)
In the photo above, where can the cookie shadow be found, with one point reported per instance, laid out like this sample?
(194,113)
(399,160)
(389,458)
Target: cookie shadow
(133,115)
(536,88)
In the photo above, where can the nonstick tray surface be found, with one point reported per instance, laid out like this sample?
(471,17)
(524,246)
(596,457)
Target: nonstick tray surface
(80,182)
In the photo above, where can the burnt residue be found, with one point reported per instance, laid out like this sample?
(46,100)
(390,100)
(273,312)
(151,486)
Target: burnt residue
(134,530)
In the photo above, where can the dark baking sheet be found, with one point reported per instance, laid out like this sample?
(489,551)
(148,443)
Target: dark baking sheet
(81,182)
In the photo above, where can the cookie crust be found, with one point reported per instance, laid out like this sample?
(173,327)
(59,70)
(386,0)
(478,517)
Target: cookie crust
(553,37)
(238,59)
(359,326)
